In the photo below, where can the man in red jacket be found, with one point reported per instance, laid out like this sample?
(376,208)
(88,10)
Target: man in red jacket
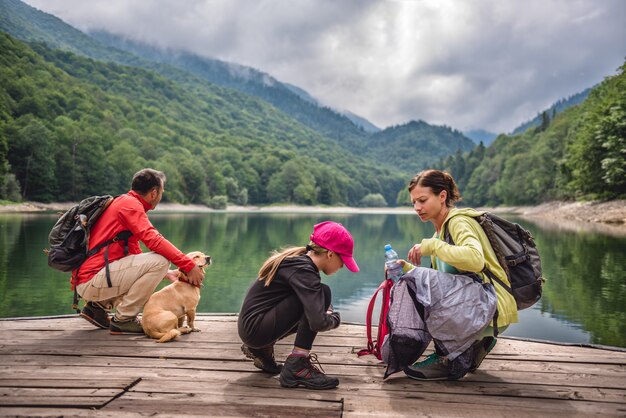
(131,276)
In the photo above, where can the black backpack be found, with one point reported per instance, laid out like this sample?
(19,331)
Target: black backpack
(69,237)
(517,254)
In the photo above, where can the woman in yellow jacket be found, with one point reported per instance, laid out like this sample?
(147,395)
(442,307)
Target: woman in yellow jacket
(433,194)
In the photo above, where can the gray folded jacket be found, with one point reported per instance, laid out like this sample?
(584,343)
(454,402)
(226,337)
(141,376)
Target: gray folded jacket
(456,309)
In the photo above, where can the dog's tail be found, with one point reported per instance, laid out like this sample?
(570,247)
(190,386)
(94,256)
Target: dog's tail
(167,336)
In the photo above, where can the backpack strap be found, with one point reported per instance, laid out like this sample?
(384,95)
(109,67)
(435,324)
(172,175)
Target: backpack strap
(448,238)
(124,235)
(486,271)
(75,304)
(373,347)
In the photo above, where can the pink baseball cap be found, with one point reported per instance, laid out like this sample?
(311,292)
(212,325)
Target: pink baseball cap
(336,238)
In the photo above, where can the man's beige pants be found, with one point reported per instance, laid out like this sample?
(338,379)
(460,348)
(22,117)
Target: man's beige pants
(133,280)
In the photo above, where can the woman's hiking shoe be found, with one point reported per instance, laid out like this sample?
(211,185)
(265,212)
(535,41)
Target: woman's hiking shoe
(263,358)
(433,368)
(132,326)
(481,349)
(300,371)
(96,315)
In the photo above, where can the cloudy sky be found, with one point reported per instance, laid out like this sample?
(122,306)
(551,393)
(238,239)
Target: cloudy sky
(468,64)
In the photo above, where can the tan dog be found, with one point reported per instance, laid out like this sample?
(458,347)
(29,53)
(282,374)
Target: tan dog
(165,311)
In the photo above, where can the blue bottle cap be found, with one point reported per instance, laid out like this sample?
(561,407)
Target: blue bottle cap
(387,247)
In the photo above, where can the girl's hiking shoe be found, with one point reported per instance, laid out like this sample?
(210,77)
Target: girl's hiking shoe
(96,315)
(132,326)
(300,371)
(433,368)
(263,358)
(481,349)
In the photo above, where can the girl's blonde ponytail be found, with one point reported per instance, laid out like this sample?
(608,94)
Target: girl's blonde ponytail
(269,268)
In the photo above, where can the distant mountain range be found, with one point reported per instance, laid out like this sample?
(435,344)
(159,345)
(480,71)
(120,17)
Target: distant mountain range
(557,107)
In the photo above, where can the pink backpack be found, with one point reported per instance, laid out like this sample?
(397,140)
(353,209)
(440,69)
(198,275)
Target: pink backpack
(373,347)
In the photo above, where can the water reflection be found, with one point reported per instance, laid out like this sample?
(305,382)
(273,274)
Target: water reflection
(584,298)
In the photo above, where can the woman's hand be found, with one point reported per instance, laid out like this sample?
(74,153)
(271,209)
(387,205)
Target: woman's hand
(415,254)
(398,261)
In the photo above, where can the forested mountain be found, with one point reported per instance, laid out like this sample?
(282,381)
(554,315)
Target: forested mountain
(295,103)
(72,127)
(551,112)
(415,145)
(29,24)
(580,153)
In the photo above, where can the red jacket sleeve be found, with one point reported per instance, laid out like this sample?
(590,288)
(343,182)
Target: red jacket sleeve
(138,223)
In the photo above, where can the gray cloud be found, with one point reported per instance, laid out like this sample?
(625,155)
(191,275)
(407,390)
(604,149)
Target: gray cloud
(488,64)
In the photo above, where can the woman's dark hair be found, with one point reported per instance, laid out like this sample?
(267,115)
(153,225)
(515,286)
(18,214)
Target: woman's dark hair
(437,181)
(146,180)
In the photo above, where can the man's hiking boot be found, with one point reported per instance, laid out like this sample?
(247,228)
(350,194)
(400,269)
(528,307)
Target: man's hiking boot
(481,349)
(300,371)
(132,326)
(96,315)
(263,358)
(433,368)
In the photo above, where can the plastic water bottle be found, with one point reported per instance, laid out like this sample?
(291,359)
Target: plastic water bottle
(394,269)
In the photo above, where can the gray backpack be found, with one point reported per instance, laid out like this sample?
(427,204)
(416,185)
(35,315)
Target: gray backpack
(517,254)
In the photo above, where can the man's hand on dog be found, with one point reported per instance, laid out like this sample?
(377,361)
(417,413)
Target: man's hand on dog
(195,276)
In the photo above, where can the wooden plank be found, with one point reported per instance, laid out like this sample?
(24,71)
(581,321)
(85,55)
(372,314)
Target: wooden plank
(132,400)
(216,326)
(222,404)
(399,388)
(401,385)
(120,366)
(37,382)
(57,392)
(67,412)
(145,347)
(326,343)
(555,373)
(56,401)
(356,408)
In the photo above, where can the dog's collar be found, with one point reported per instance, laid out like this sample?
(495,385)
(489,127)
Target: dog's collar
(180,279)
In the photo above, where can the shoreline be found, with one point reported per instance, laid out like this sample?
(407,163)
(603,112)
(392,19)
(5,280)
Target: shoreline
(605,217)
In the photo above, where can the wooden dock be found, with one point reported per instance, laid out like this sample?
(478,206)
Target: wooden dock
(63,366)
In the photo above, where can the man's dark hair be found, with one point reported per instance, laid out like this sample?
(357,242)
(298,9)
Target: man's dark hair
(147,179)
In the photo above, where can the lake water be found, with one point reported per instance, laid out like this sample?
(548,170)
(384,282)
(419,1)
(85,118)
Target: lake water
(584,299)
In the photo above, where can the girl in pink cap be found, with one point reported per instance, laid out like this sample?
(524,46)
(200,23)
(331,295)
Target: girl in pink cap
(289,298)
